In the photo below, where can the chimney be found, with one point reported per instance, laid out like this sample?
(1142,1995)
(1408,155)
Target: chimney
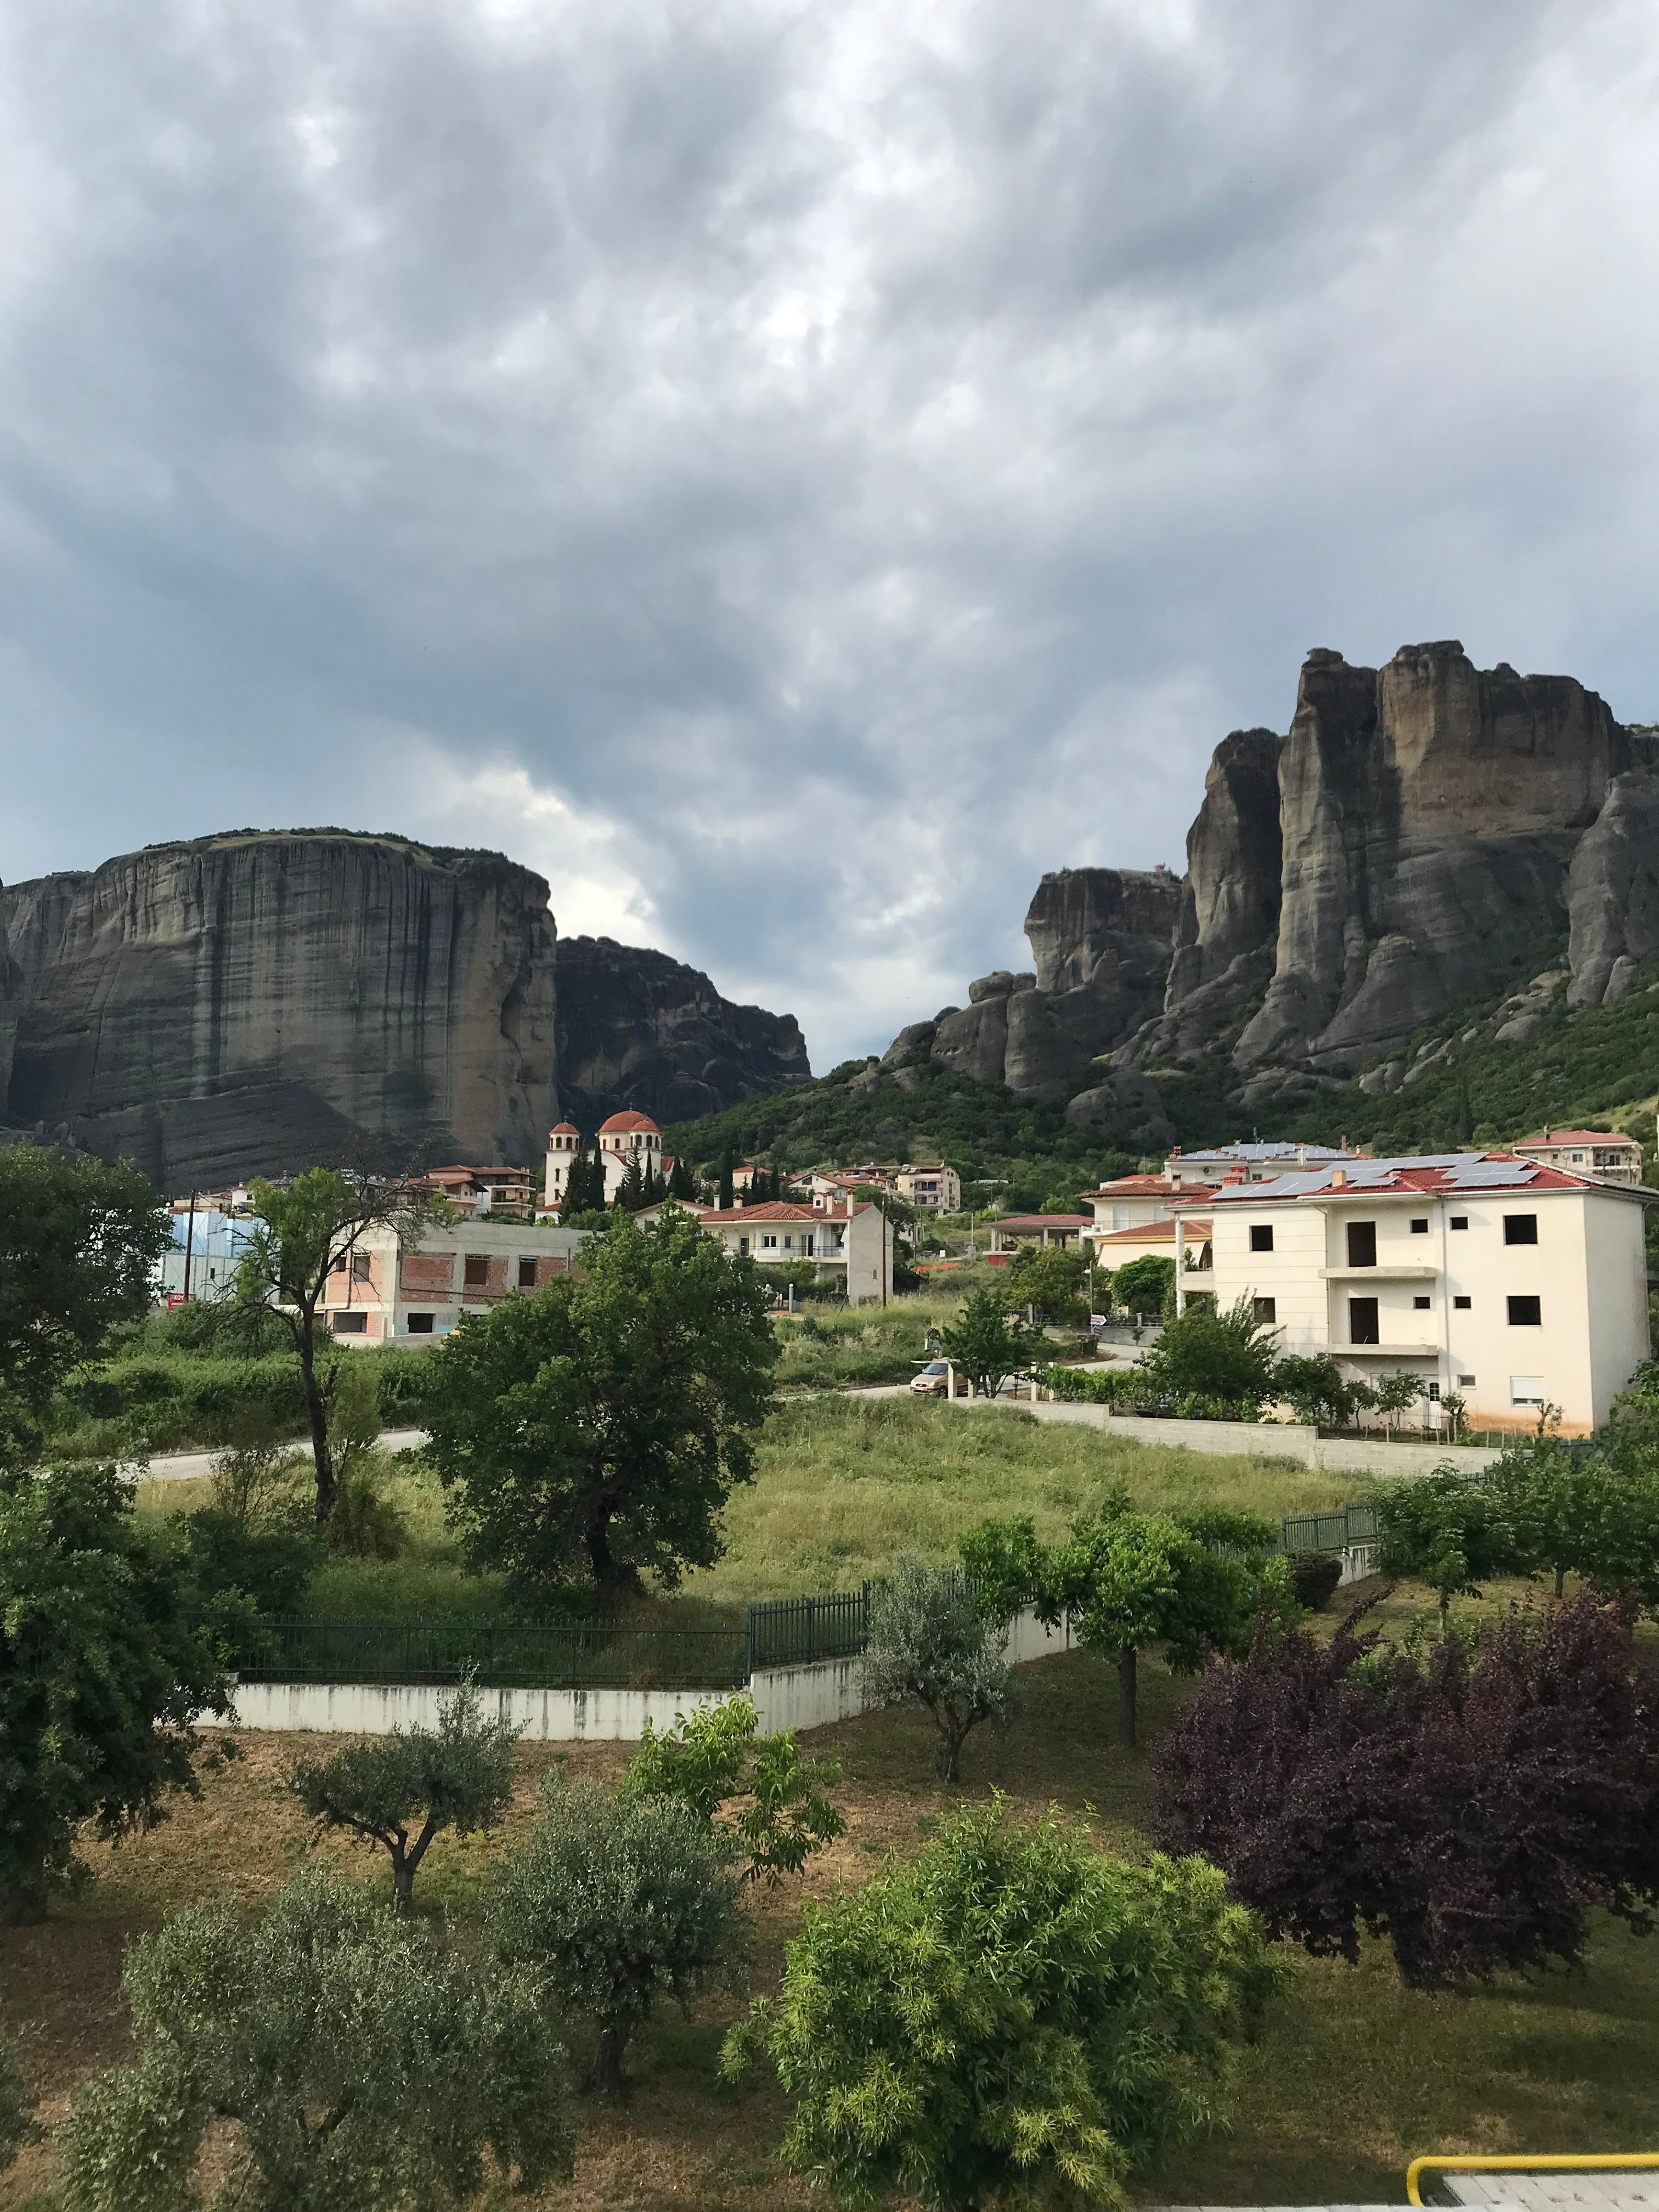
(1339,1178)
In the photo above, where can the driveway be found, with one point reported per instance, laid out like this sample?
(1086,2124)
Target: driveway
(184,1466)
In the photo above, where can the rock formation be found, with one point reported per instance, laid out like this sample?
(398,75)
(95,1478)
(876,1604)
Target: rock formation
(269,1001)
(637,1029)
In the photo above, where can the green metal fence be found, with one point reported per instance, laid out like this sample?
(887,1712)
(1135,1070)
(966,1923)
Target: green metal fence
(1328,1532)
(583,1655)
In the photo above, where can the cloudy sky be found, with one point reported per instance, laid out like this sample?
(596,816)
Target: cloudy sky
(792,471)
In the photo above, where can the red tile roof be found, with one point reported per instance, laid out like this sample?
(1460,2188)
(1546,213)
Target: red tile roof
(1147,1186)
(1044,1221)
(630,1119)
(775,1209)
(1582,1137)
(566,1129)
(1158,1231)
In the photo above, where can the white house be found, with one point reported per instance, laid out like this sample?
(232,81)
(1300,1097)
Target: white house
(1256,1160)
(1511,1284)
(1609,1159)
(627,1136)
(1136,1202)
(849,1243)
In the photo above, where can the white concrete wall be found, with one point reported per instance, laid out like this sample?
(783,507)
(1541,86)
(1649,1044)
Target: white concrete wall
(1617,1270)
(1258,1439)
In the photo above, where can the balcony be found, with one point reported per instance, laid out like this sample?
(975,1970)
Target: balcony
(1385,1350)
(1384,1271)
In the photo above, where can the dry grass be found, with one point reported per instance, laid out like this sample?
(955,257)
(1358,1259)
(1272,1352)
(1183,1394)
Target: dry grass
(1354,2076)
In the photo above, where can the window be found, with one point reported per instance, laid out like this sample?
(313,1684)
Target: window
(1264,1308)
(1362,1243)
(1526,1389)
(360,1265)
(1421,1225)
(788,1243)
(526,1274)
(807,1244)
(1520,1228)
(419,1324)
(350,1324)
(1526,1313)
(1434,1393)
(1362,1321)
(1466,1382)
(743,1248)
(1463,1304)
(769,1244)
(1421,1305)
(1262,1237)
(1458,1221)
(476,1272)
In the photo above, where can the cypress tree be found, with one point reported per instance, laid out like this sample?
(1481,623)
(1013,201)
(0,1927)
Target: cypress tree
(727,1196)
(630,1191)
(680,1184)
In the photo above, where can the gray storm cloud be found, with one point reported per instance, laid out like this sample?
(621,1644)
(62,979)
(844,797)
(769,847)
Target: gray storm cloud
(792,473)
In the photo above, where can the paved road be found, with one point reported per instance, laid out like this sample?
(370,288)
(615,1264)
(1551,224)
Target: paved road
(182,1467)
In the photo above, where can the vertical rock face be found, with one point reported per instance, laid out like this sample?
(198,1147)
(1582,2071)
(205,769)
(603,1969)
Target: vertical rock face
(1613,891)
(637,1029)
(259,1002)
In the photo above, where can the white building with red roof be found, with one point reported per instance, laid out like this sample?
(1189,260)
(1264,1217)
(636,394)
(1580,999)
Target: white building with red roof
(851,1245)
(1607,1155)
(1510,1284)
(628,1136)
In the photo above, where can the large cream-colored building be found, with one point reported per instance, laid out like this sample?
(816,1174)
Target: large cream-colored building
(1514,1285)
(851,1245)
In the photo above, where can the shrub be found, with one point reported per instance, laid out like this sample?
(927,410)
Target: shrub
(1314,1577)
(986,1346)
(710,1759)
(368,2068)
(1225,1357)
(614,1902)
(1010,2015)
(458,1776)
(1450,1533)
(1472,1811)
(1142,1286)
(16,2108)
(932,1643)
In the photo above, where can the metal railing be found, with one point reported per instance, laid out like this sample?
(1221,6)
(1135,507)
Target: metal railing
(1328,1532)
(581,1655)
(794,1632)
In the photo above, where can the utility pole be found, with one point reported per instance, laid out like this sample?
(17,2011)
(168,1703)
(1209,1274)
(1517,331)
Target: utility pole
(190,1242)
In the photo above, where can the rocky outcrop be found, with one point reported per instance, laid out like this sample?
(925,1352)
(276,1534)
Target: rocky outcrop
(263,1001)
(637,1029)
(1613,892)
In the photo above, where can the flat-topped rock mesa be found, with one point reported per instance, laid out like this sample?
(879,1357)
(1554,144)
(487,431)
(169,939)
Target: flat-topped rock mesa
(1420,829)
(265,1000)
(638,1029)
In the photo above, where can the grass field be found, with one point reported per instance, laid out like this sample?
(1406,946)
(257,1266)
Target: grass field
(843,1484)
(1352,2076)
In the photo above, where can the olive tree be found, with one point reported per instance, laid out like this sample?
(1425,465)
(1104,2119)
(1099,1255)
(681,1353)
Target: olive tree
(716,1758)
(403,1790)
(932,1644)
(1010,2016)
(615,1901)
(369,2068)
(103,1666)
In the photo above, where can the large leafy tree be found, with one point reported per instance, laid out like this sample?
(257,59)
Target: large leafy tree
(1009,2017)
(1451,1534)
(102,1668)
(600,1424)
(302,1235)
(986,1346)
(80,1239)
(370,2069)
(1225,1357)
(614,1902)
(1054,1282)
(1474,1812)
(1594,1514)
(404,1790)
(1142,1286)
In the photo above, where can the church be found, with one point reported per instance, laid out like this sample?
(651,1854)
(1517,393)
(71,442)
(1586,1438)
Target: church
(624,1137)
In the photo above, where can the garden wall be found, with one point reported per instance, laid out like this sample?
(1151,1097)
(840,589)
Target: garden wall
(1261,1440)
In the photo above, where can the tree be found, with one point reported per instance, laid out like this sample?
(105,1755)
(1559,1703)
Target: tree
(1592,1514)
(1396,1393)
(1053,1282)
(457,1776)
(303,1236)
(632,1195)
(986,1346)
(603,1422)
(102,1668)
(1316,1387)
(1011,2016)
(1473,1812)
(932,1643)
(711,1758)
(1130,1581)
(727,1195)
(681,1183)
(584,1188)
(615,1901)
(80,1239)
(1141,1286)
(1227,1358)
(369,2068)
(1452,1535)
(16,2108)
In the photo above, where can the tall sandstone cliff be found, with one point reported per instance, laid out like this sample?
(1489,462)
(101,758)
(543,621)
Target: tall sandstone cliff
(1420,829)
(269,1001)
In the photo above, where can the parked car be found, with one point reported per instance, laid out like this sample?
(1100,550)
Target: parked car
(933,1381)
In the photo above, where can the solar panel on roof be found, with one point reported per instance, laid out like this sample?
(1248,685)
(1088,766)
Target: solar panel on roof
(1489,1175)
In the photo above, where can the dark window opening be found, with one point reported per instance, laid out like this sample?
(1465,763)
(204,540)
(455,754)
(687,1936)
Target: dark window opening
(1420,1227)
(359,1266)
(477,1272)
(1362,1243)
(1421,1305)
(1362,1321)
(1520,1228)
(1264,1308)
(1463,1304)
(420,1324)
(1526,1313)
(350,1324)
(526,1274)
(1262,1237)
(1458,1221)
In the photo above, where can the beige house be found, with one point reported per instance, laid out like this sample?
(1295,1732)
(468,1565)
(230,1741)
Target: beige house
(851,1245)
(1135,1201)
(1513,1285)
(1013,1230)
(394,1291)
(1609,1159)
(1116,1247)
